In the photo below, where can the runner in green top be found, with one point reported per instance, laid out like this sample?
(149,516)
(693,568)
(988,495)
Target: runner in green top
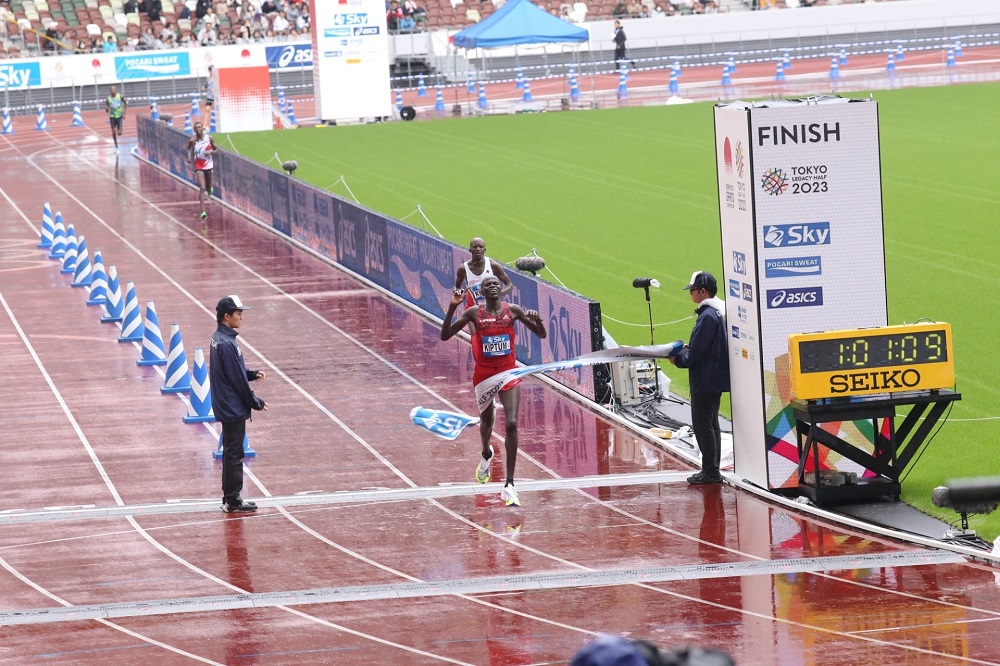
(115,106)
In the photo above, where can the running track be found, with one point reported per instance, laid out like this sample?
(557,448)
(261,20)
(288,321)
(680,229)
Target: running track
(371,546)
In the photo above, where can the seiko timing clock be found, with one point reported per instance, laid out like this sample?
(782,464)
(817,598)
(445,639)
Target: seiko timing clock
(837,364)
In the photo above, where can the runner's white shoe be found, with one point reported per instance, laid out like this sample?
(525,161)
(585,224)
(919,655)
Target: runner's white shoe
(509,496)
(483,469)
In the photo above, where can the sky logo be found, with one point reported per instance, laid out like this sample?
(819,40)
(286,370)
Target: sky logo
(739,263)
(793,267)
(734,288)
(797,235)
(748,292)
(794,297)
(20,75)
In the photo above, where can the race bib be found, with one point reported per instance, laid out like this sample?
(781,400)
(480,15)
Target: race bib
(496,345)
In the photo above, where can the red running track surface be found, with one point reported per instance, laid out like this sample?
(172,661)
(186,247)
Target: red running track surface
(428,573)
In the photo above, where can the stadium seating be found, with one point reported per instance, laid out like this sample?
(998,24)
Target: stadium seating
(98,18)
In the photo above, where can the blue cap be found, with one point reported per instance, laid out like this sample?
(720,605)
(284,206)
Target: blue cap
(609,651)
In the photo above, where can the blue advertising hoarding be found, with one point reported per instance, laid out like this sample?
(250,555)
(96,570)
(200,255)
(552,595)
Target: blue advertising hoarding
(152,65)
(289,56)
(397,257)
(20,75)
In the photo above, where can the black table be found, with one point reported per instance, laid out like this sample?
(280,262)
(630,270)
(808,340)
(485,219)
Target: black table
(890,455)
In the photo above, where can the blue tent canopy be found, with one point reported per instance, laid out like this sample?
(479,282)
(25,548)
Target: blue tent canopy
(519,22)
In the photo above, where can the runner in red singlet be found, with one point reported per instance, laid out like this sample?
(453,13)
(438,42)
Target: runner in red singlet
(493,351)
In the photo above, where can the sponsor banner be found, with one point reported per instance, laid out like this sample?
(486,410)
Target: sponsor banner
(567,320)
(421,268)
(793,267)
(312,217)
(362,245)
(289,56)
(814,180)
(16,75)
(736,204)
(244,184)
(280,213)
(525,295)
(795,297)
(164,146)
(153,65)
(351,70)
(805,234)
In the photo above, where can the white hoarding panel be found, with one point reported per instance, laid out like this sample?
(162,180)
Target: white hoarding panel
(820,262)
(350,57)
(800,200)
(738,287)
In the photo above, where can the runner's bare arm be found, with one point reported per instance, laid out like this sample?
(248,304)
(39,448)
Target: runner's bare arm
(449,327)
(529,318)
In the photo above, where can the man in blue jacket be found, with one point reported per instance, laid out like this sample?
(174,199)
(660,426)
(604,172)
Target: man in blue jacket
(232,399)
(706,355)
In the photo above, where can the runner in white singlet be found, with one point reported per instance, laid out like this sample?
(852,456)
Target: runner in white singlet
(200,149)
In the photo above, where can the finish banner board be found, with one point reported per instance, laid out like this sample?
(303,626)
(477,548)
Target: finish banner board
(350,55)
(406,261)
(800,201)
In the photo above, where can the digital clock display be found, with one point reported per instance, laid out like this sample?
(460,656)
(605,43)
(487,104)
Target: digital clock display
(873,351)
(839,364)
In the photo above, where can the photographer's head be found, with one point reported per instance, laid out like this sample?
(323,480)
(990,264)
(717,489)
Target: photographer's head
(611,650)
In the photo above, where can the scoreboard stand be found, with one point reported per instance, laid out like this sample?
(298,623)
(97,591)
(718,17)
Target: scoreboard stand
(891,454)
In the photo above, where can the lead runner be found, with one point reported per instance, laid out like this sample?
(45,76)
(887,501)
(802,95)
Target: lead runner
(493,351)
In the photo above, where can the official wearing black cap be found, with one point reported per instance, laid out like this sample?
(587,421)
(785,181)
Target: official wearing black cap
(706,355)
(232,399)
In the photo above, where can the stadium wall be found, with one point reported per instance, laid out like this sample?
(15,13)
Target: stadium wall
(405,261)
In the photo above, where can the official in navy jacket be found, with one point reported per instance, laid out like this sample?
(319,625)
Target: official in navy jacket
(232,399)
(706,355)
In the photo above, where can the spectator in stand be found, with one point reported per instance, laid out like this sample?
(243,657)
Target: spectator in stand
(393,16)
(154,9)
(564,13)
(184,14)
(50,40)
(207,36)
(415,12)
(201,8)
(110,45)
(83,46)
(634,8)
(148,39)
(131,7)
(168,31)
(303,21)
(619,9)
(242,33)
(269,7)
(644,13)
(257,36)
(280,24)
(211,19)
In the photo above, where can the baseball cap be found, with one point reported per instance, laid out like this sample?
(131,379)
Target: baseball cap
(229,304)
(609,651)
(701,280)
